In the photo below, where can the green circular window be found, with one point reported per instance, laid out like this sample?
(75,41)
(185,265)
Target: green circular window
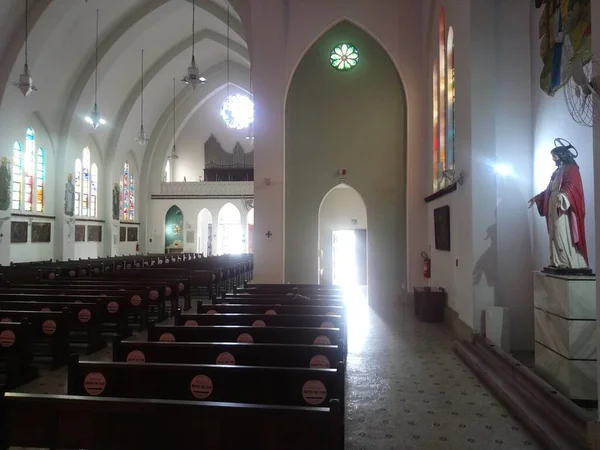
(344,57)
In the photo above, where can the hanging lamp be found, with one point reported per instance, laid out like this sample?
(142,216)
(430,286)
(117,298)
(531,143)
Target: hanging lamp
(142,137)
(174,154)
(193,74)
(94,118)
(25,83)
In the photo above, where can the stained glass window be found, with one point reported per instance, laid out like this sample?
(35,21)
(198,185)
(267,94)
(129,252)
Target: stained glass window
(40,179)
(78,170)
(29,172)
(125,191)
(344,57)
(131,197)
(451,101)
(17,175)
(94,192)
(443,105)
(85,183)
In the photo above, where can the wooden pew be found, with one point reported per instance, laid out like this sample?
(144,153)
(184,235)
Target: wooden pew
(275,355)
(49,333)
(249,308)
(260,335)
(288,386)
(278,299)
(15,354)
(58,421)
(84,319)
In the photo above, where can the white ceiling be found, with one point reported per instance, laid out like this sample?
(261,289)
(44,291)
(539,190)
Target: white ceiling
(62,56)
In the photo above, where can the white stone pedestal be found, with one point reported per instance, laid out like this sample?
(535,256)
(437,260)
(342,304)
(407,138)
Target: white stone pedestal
(565,333)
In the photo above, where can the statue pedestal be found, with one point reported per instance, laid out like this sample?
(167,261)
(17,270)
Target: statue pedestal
(565,333)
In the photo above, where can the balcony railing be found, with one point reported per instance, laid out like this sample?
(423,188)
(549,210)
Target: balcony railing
(206,189)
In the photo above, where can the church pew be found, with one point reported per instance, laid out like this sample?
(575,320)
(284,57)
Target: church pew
(135,300)
(102,423)
(228,333)
(278,300)
(261,320)
(279,355)
(48,331)
(225,308)
(84,319)
(289,386)
(15,354)
(112,310)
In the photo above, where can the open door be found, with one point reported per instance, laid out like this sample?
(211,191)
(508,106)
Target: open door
(360,239)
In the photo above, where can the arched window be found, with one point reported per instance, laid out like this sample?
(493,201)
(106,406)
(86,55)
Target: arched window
(78,169)
(94,192)
(29,163)
(443,105)
(125,192)
(451,100)
(40,177)
(17,176)
(85,183)
(131,197)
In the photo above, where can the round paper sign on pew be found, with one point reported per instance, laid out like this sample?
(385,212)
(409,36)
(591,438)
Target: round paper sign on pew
(7,338)
(201,387)
(271,312)
(94,383)
(45,310)
(153,294)
(314,392)
(166,337)
(331,313)
(181,287)
(136,357)
(5,320)
(84,315)
(49,327)
(168,291)
(211,312)
(96,270)
(226,359)
(327,325)
(319,362)
(51,276)
(245,338)
(190,323)
(322,340)
(71,273)
(259,324)
(83,272)
(112,307)
(135,300)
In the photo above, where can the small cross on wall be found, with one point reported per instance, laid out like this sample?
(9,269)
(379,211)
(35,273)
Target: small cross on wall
(268,234)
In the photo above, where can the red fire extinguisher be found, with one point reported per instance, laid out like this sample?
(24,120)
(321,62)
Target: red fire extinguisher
(426,265)
(137,246)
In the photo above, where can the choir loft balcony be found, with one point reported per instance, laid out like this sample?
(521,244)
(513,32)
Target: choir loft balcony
(206,190)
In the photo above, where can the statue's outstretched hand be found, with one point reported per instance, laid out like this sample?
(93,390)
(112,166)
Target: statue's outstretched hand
(531,202)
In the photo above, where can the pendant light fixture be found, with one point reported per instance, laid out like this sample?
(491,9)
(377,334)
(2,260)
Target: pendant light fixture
(25,83)
(94,118)
(174,154)
(142,137)
(193,74)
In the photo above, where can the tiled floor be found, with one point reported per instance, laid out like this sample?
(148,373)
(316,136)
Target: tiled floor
(406,389)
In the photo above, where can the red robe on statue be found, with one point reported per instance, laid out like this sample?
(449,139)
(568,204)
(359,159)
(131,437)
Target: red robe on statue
(572,187)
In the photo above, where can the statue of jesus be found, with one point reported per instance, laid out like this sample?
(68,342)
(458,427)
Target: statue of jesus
(563,206)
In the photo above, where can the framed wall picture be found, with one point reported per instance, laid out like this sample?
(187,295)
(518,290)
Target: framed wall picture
(132,234)
(189,236)
(41,231)
(18,232)
(94,233)
(79,233)
(441,224)
(122,234)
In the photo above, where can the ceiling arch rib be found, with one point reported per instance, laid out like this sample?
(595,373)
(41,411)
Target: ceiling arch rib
(127,106)
(116,36)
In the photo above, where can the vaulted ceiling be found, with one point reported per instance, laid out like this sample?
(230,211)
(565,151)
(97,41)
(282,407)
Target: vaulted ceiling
(62,62)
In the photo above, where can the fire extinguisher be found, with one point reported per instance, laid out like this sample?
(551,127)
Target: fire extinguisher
(426,265)
(137,246)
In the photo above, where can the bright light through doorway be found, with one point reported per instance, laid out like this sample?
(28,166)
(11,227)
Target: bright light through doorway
(345,271)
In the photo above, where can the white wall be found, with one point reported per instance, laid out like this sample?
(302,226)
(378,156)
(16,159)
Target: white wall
(205,121)
(339,208)
(190,209)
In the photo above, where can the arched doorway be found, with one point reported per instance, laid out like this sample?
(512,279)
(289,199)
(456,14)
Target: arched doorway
(343,238)
(250,231)
(205,232)
(174,230)
(353,119)
(229,234)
